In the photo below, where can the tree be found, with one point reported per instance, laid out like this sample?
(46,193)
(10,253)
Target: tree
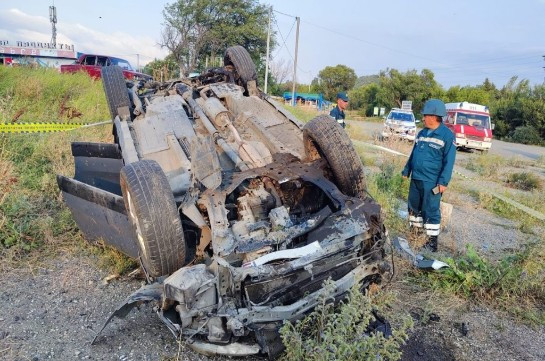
(365,98)
(396,87)
(195,29)
(280,71)
(334,79)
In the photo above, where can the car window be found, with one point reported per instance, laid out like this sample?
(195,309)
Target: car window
(101,60)
(406,117)
(90,60)
(121,63)
(474,120)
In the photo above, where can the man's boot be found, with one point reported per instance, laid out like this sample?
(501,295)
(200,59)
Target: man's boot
(431,244)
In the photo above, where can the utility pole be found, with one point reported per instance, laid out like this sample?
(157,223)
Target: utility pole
(268,43)
(53,20)
(295,62)
(137,62)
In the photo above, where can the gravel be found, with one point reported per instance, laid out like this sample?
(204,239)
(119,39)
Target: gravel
(54,312)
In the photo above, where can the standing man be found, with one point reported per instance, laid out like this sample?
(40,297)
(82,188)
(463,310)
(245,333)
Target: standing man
(338,111)
(430,168)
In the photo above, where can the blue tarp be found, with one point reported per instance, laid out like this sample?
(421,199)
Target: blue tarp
(314,97)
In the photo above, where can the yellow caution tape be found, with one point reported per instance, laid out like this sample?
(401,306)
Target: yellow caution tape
(44,127)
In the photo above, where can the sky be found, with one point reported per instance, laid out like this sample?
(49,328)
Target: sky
(461,41)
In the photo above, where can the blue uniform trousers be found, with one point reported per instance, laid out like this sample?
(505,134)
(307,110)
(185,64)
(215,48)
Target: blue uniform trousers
(424,207)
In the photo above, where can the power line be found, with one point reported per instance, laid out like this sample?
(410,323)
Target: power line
(284,40)
(281,13)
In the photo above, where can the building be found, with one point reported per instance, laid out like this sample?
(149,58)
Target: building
(13,53)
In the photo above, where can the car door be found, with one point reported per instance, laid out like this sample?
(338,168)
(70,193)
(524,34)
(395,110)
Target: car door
(94,196)
(89,64)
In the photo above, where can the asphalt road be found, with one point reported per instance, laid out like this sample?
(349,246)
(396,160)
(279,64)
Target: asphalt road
(499,147)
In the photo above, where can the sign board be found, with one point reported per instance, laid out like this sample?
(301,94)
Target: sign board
(375,111)
(406,105)
(382,111)
(13,50)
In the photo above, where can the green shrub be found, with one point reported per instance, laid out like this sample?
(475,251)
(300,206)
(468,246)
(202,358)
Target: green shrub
(525,135)
(340,333)
(515,284)
(524,180)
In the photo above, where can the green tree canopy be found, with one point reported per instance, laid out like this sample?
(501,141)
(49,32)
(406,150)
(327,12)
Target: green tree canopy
(396,87)
(195,29)
(334,79)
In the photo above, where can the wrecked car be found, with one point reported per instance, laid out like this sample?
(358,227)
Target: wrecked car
(237,211)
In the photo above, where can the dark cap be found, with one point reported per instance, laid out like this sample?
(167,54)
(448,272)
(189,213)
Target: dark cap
(343,96)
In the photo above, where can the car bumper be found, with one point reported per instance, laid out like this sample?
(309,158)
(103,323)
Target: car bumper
(473,144)
(399,135)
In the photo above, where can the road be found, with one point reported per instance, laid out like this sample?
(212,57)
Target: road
(501,148)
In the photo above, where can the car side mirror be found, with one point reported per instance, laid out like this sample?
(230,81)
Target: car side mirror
(417,121)
(492,126)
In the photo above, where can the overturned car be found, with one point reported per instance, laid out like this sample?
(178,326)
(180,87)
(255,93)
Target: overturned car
(236,211)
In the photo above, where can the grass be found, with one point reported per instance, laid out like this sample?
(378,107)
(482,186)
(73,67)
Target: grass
(515,284)
(487,166)
(304,114)
(34,222)
(525,181)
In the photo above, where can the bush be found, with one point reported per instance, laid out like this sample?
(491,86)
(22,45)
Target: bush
(514,284)
(524,180)
(341,333)
(525,135)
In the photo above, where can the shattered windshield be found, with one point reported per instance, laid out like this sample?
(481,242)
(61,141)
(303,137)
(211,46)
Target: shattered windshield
(474,120)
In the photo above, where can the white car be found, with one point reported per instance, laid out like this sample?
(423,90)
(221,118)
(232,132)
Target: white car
(400,124)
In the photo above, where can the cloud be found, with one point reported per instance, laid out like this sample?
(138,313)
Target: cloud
(17,25)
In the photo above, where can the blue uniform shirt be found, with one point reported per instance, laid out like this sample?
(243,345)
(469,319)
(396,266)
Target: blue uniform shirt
(433,155)
(338,115)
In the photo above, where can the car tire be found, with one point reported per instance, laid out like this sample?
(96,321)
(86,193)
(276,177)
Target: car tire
(153,213)
(240,59)
(115,88)
(324,135)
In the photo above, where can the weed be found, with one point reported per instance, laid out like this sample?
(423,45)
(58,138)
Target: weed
(487,166)
(388,187)
(341,333)
(525,180)
(32,215)
(113,260)
(515,284)
(526,222)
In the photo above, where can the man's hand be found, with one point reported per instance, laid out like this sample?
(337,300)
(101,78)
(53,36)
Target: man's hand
(442,188)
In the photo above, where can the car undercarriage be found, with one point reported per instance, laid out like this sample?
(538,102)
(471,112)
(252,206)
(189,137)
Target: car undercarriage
(237,211)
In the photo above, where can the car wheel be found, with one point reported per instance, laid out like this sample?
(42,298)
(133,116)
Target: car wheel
(241,60)
(115,88)
(153,213)
(324,135)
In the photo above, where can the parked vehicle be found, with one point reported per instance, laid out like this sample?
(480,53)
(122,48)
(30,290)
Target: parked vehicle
(400,124)
(237,211)
(471,125)
(93,64)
